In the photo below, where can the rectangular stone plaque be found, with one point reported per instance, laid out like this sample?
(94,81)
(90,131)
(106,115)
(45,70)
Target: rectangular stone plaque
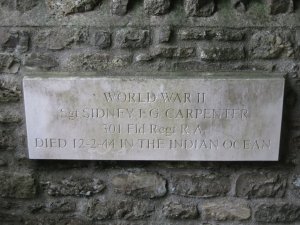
(205,118)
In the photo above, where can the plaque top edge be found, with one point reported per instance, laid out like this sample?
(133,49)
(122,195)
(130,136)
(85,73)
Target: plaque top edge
(158,75)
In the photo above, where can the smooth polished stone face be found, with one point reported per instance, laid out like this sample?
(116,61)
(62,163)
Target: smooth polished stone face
(232,118)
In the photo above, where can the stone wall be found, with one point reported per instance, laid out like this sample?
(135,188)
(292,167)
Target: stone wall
(147,35)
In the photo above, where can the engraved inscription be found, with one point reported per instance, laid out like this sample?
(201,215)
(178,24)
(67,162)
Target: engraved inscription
(169,113)
(154,119)
(163,143)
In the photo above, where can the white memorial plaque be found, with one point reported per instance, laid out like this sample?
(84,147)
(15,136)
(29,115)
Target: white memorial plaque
(205,118)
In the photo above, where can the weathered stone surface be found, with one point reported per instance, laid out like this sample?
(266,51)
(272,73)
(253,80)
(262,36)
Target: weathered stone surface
(40,61)
(176,52)
(60,38)
(185,52)
(209,34)
(296,185)
(6,139)
(88,62)
(73,221)
(194,34)
(41,39)
(78,186)
(8,63)
(9,91)
(100,210)
(36,208)
(4,37)
(240,5)
(61,206)
(120,60)
(298,43)
(55,219)
(164,34)
(206,185)
(132,38)
(261,185)
(156,7)
(225,210)
(228,35)
(17,185)
(22,15)
(100,39)
(143,57)
(67,7)
(24,40)
(163,51)
(9,116)
(280,6)
(276,213)
(123,209)
(7,204)
(119,7)
(58,206)
(298,37)
(3,162)
(191,65)
(177,210)
(37,219)
(10,218)
(64,38)
(268,45)
(25,5)
(219,53)
(144,185)
(202,8)
(9,40)
(8,4)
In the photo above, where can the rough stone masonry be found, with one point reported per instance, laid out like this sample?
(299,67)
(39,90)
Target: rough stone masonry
(129,36)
